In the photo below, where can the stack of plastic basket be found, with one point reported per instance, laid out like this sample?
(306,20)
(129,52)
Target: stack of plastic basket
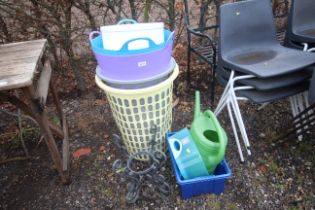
(138,83)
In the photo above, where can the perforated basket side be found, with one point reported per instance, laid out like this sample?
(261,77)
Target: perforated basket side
(137,116)
(137,111)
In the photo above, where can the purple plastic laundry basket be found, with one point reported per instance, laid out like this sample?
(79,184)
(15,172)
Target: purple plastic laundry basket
(136,84)
(135,66)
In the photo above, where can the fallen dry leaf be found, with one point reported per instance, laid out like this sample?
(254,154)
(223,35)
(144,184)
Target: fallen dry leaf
(99,102)
(102,148)
(175,102)
(178,5)
(263,168)
(82,152)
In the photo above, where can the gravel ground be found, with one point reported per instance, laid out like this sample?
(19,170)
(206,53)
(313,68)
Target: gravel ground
(278,175)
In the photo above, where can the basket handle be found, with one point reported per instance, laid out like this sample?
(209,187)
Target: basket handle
(176,151)
(126,21)
(170,38)
(93,33)
(126,44)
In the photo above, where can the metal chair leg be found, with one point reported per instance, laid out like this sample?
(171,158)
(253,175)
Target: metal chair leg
(240,122)
(213,86)
(235,132)
(229,99)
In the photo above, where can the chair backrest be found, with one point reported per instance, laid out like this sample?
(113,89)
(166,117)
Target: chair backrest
(245,25)
(302,14)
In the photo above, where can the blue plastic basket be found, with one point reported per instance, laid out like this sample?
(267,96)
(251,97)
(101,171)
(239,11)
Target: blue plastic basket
(201,185)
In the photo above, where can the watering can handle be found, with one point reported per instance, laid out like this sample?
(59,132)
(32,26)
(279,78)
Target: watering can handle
(126,44)
(215,121)
(126,21)
(93,33)
(218,128)
(176,152)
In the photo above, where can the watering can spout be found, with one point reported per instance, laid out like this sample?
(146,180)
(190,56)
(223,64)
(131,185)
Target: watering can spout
(197,104)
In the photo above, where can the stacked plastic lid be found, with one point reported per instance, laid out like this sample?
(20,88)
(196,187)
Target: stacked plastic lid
(133,55)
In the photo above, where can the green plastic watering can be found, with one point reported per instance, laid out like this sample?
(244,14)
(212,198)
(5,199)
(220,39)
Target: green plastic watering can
(209,136)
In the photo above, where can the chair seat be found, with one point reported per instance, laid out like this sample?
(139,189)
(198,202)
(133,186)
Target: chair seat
(205,52)
(274,95)
(272,82)
(260,97)
(267,61)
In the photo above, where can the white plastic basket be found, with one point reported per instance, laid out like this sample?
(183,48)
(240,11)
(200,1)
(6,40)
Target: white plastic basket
(137,111)
(115,36)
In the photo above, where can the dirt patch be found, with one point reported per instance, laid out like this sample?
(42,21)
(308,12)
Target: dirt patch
(276,176)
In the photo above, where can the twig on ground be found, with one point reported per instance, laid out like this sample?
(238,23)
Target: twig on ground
(13,159)
(16,115)
(40,141)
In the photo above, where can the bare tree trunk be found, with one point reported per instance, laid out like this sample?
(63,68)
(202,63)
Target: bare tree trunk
(74,66)
(217,6)
(42,27)
(203,13)
(85,7)
(147,9)
(67,45)
(4,28)
(115,7)
(171,14)
(275,4)
(170,10)
(133,9)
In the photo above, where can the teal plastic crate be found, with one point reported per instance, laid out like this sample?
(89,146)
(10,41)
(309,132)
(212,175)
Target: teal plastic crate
(201,185)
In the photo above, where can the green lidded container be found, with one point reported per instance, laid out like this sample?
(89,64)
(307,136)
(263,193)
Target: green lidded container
(208,135)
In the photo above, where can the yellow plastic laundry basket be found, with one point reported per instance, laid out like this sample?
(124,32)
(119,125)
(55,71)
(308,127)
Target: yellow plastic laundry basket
(137,111)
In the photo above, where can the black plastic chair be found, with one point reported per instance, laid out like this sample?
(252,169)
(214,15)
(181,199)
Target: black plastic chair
(303,122)
(301,35)
(248,41)
(206,50)
(267,95)
(301,24)
(250,52)
(271,82)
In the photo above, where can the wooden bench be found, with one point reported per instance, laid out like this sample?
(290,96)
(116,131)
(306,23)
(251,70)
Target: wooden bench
(20,64)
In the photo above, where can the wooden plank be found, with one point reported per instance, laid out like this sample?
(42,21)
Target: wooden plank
(19,62)
(43,83)
(42,121)
(12,47)
(63,121)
